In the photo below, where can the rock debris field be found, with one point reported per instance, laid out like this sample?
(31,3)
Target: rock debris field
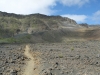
(70,58)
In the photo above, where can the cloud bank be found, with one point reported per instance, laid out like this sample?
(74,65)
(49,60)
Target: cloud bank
(96,16)
(74,2)
(36,6)
(27,6)
(77,18)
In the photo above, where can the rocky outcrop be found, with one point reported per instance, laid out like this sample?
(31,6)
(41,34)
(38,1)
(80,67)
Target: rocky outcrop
(84,25)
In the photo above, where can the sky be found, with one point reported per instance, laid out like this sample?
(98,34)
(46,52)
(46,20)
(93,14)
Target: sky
(82,11)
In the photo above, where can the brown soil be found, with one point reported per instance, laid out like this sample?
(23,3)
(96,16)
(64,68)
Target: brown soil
(29,64)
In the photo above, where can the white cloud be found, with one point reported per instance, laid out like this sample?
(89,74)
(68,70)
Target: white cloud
(96,16)
(35,6)
(77,18)
(27,6)
(74,2)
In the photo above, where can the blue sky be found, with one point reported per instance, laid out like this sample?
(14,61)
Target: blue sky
(82,11)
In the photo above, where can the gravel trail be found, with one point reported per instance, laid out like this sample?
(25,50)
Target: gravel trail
(30,64)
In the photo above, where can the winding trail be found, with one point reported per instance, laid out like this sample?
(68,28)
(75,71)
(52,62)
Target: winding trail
(29,64)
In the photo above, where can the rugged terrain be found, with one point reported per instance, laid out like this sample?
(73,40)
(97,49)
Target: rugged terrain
(70,58)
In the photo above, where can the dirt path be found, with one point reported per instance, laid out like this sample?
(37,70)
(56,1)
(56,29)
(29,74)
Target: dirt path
(29,64)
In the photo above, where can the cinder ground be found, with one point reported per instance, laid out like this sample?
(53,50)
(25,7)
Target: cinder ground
(70,58)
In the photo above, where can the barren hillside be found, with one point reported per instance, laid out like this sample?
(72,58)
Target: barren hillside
(37,28)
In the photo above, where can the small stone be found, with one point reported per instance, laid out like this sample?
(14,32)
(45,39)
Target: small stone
(67,72)
(1,73)
(20,48)
(12,61)
(77,56)
(62,72)
(98,56)
(50,68)
(13,72)
(46,72)
(56,65)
